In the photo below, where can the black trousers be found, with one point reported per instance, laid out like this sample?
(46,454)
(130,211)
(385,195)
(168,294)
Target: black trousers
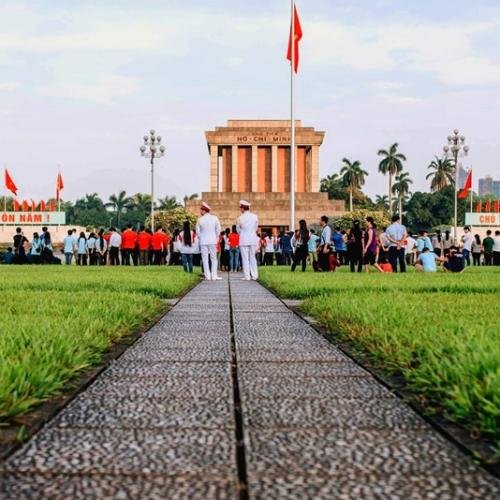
(476,258)
(300,255)
(488,258)
(496,258)
(356,259)
(324,260)
(268,259)
(114,259)
(396,255)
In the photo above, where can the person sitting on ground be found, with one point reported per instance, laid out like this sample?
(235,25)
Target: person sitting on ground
(384,265)
(8,256)
(426,261)
(455,262)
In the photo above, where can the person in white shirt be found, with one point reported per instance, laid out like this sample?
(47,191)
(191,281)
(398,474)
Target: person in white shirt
(496,249)
(269,250)
(467,240)
(91,249)
(115,241)
(247,225)
(208,230)
(410,246)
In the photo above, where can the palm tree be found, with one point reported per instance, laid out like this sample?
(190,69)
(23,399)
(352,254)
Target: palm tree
(382,202)
(119,203)
(443,175)
(187,198)
(392,164)
(168,203)
(401,187)
(142,203)
(353,177)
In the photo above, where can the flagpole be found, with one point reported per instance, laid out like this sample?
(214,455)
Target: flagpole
(292,121)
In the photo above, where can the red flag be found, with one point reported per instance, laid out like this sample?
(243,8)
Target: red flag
(497,206)
(9,183)
(33,206)
(487,206)
(478,207)
(52,206)
(297,28)
(467,186)
(26,206)
(43,206)
(17,207)
(59,185)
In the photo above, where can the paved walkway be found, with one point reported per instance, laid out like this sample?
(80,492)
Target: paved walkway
(164,422)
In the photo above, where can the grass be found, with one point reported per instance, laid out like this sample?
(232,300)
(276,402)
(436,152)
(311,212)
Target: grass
(440,331)
(57,321)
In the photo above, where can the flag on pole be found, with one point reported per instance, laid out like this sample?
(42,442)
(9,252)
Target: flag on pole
(26,206)
(17,206)
(9,183)
(59,186)
(487,206)
(52,206)
(43,206)
(297,30)
(478,207)
(497,206)
(33,205)
(464,192)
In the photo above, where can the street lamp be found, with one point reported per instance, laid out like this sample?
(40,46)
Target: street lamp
(152,148)
(456,149)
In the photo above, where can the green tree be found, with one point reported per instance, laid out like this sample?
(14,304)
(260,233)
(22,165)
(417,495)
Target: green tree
(442,175)
(382,202)
(168,203)
(173,219)
(401,188)
(345,222)
(392,164)
(191,197)
(353,177)
(119,203)
(333,185)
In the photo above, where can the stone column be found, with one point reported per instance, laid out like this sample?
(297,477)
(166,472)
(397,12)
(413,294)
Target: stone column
(255,174)
(274,168)
(315,169)
(234,168)
(214,167)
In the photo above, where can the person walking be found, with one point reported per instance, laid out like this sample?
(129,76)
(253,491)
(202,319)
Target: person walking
(355,247)
(81,250)
(68,247)
(302,247)
(185,243)
(324,244)
(115,241)
(208,230)
(488,243)
(234,250)
(247,225)
(396,234)
(476,250)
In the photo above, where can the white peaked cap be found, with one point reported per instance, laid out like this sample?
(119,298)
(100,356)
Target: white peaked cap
(244,203)
(205,206)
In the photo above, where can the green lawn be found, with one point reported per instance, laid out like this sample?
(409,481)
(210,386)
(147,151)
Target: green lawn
(57,321)
(441,331)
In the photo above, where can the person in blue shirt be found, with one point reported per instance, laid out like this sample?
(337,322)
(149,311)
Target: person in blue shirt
(396,236)
(68,247)
(8,256)
(427,261)
(324,244)
(312,245)
(423,241)
(339,244)
(81,249)
(286,248)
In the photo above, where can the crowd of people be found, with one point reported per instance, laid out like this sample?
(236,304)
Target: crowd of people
(243,248)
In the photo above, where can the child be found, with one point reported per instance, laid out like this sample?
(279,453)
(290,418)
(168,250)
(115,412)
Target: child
(383,265)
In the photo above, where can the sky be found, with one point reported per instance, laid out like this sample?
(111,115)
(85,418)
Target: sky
(81,82)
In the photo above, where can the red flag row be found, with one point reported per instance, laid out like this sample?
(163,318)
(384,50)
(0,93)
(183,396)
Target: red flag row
(27,206)
(10,185)
(489,206)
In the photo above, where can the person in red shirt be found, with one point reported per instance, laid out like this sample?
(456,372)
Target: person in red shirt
(157,245)
(144,245)
(129,238)
(165,251)
(234,250)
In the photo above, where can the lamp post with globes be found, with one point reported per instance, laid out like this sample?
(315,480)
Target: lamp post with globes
(456,148)
(152,148)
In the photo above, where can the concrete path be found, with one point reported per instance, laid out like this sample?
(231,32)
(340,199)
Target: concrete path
(229,395)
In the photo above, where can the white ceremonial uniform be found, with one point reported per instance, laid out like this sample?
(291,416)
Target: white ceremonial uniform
(208,230)
(247,225)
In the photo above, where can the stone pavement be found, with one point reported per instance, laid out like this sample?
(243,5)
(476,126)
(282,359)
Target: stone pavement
(164,420)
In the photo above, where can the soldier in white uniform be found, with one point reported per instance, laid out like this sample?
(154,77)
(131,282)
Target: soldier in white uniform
(247,225)
(208,230)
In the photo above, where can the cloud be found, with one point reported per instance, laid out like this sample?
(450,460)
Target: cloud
(8,86)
